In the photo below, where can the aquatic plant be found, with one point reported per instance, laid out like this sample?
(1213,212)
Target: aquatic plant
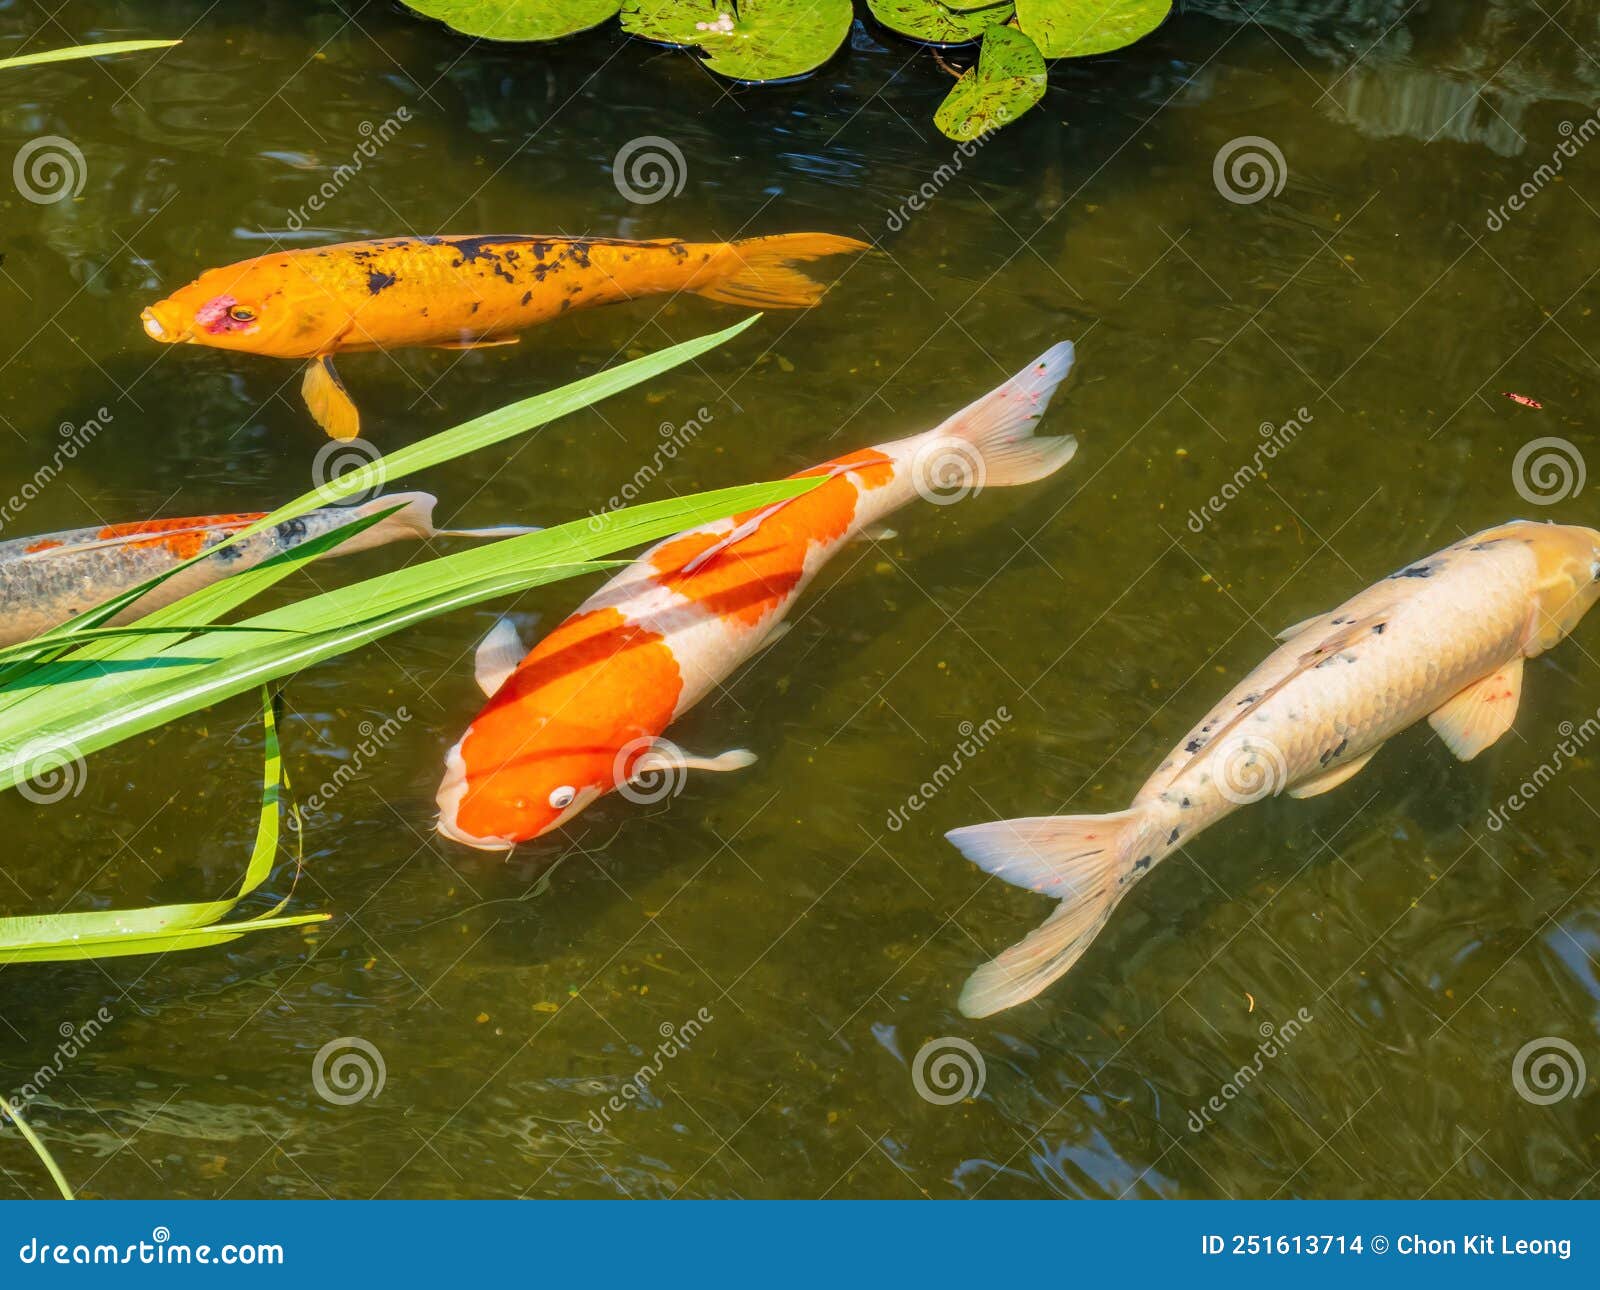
(776,40)
(85,51)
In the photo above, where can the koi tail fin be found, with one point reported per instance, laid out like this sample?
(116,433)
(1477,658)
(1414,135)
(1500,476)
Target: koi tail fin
(760,276)
(414,519)
(329,402)
(992,441)
(1087,862)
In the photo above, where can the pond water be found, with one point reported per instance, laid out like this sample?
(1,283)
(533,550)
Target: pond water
(803,940)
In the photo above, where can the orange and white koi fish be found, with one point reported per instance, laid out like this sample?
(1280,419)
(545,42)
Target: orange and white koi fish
(46,580)
(586,711)
(1443,639)
(460,293)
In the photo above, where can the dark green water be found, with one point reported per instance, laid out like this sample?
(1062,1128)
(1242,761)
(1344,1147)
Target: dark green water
(825,947)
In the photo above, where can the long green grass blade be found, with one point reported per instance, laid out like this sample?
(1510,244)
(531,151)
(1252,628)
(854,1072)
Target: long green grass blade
(480,432)
(85,713)
(39,1149)
(85,51)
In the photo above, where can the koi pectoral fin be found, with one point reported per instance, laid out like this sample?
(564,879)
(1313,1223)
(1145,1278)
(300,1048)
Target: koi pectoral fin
(497,656)
(480,344)
(1331,779)
(329,402)
(1481,713)
(665,756)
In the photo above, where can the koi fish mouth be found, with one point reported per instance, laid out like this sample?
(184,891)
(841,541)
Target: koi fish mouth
(168,332)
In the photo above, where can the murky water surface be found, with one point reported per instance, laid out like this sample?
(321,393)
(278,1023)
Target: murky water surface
(802,939)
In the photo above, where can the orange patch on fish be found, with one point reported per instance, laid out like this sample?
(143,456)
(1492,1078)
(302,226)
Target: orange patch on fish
(182,537)
(594,685)
(750,578)
(48,544)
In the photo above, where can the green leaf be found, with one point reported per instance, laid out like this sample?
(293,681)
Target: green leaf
(518,19)
(1078,28)
(97,934)
(86,51)
(751,40)
(940,24)
(1008,80)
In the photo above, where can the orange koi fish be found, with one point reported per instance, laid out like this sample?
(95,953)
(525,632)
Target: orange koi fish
(585,712)
(1444,638)
(460,293)
(46,580)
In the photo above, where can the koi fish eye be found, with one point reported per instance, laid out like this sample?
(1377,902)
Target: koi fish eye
(242,313)
(563,797)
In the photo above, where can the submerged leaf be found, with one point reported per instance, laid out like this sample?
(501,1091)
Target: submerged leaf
(111,933)
(1077,28)
(938,23)
(1008,80)
(518,19)
(747,40)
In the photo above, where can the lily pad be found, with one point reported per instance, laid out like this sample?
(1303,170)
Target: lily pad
(1008,80)
(518,19)
(1078,28)
(751,40)
(937,23)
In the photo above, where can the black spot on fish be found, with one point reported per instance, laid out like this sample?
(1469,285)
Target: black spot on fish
(377,281)
(1415,571)
(1194,745)
(1173,836)
(565,305)
(1484,546)
(290,531)
(1186,804)
(1338,622)
(229,554)
(1142,863)
(1328,756)
(475,305)
(1377,628)
(527,296)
